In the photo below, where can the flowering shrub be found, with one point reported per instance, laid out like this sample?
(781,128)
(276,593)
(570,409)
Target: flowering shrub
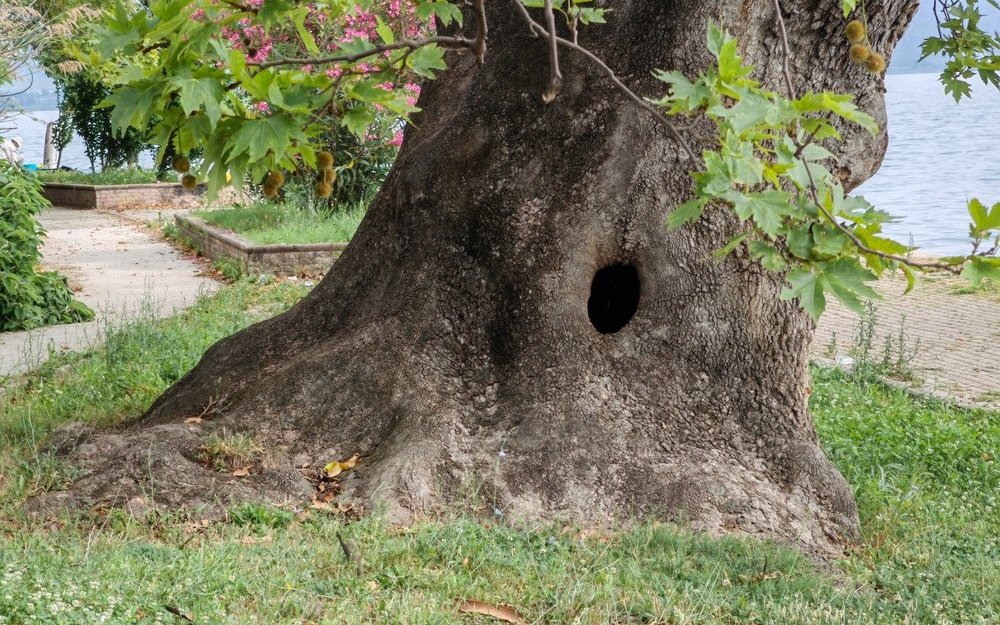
(264,85)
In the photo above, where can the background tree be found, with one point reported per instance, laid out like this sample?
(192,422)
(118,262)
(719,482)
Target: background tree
(513,318)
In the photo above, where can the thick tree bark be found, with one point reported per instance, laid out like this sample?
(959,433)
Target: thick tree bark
(456,345)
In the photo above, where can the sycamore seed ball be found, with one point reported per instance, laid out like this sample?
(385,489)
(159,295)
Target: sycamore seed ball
(875,63)
(270,191)
(324,160)
(324,189)
(275,178)
(855,31)
(860,53)
(181,164)
(329,175)
(189,182)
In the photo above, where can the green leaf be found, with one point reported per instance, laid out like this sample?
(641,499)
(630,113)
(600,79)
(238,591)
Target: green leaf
(980,268)
(688,211)
(383,30)
(767,208)
(847,280)
(805,286)
(196,93)
(132,106)
(358,119)
(427,60)
(257,137)
(848,6)
(727,249)
(299,18)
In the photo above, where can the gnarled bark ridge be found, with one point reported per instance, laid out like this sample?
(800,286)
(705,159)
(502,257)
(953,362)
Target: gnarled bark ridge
(470,316)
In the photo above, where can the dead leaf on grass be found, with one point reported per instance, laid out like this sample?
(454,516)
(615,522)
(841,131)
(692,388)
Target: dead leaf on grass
(499,612)
(243,472)
(193,420)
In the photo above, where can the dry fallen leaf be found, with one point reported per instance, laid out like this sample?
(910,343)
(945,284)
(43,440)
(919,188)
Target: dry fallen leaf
(336,467)
(243,472)
(193,420)
(499,612)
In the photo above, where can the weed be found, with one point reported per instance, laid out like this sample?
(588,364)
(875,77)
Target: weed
(260,515)
(228,451)
(231,269)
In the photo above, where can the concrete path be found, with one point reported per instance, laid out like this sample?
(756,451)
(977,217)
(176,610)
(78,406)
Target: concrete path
(951,340)
(117,266)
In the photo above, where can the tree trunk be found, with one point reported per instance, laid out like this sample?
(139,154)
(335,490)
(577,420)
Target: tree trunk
(513,323)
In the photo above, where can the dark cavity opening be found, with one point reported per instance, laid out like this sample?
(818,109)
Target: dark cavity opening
(614,298)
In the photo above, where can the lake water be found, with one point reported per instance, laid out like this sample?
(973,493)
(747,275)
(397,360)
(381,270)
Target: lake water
(31,128)
(940,154)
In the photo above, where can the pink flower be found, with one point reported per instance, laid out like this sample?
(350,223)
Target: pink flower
(262,107)
(397,139)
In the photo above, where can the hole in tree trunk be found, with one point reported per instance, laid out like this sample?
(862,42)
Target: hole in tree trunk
(614,297)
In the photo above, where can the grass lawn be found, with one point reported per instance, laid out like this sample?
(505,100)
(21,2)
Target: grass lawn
(926,478)
(105,178)
(266,223)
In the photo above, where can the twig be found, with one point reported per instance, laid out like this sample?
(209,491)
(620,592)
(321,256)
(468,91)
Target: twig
(555,76)
(403,44)
(539,31)
(352,557)
(177,612)
(788,50)
(479,43)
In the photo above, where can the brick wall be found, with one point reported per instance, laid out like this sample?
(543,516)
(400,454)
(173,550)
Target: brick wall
(279,260)
(159,195)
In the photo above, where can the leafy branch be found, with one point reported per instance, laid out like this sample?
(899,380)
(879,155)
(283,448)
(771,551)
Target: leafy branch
(771,170)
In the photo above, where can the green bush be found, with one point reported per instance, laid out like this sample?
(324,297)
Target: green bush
(28,298)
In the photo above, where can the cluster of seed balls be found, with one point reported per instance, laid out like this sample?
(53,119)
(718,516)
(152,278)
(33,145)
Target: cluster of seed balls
(275,179)
(326,176)
(861,52)
(182,166)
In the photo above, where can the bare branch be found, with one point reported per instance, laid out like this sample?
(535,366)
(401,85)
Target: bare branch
(555,76)
(479,43)
(403,44)
(787,49)
(539,31)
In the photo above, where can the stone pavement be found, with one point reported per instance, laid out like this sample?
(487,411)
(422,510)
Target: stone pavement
(118,267)
(951,339)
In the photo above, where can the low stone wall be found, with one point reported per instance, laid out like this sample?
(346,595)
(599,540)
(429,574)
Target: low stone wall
(280,260)
(157,195)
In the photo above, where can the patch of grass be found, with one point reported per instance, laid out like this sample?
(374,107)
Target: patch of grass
(104,178)
(925,475)
(140,358)
(227,451)
(266,223)
(927,480)
(988,288)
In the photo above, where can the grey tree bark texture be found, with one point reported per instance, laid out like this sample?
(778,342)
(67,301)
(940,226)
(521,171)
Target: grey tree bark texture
(460,322)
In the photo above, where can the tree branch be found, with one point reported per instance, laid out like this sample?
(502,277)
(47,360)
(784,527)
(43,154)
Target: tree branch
(555,76)
(539,31)
(479,43)
(403,44)
(812,182)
